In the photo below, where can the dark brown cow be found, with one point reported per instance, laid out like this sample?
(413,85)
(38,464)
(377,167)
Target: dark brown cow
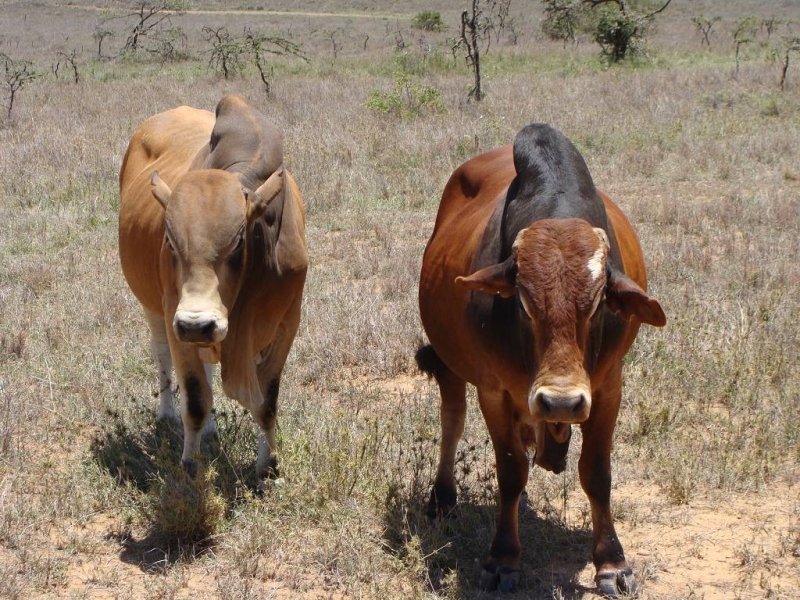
(212,243)
(532,289)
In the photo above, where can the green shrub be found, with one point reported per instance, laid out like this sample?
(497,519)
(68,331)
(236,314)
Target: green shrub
(618,34)
(408,99)
(429,20)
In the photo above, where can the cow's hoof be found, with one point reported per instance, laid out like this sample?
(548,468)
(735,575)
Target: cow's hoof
(265,485)
(190,467)
(210,444)
(441,503)
(270,470)
(168,417)
(613,584)
(168,424)
(502,579)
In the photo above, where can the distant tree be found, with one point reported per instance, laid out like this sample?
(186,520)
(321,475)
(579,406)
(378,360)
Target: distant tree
(226,52)
(498,17)
(429,20)
(704,25)
(473,30)
(230,55)
(17,74)
(790,45)
(260,46)
(769,26)
(333,36)
(398,35)
(150,19)
(620,29)
(512,25)
(743,33)
(483,18)
(171,44)
(70,60)
(99,36)
(562,19)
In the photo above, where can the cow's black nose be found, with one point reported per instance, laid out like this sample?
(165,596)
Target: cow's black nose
(561,408)
(195,331)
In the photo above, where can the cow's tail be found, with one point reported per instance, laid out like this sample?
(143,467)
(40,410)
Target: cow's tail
(429,362)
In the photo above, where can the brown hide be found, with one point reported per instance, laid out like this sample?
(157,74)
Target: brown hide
(235,250)
(468,346)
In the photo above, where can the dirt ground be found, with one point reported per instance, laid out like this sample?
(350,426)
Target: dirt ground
(715,547)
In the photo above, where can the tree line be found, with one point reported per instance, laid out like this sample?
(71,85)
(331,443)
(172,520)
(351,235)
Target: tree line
(620,28)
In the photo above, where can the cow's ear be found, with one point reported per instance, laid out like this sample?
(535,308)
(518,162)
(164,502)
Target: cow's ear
(259,200)
(628,300)
(499,279)
(161,190)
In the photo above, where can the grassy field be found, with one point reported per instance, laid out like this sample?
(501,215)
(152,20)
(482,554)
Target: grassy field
(704,161)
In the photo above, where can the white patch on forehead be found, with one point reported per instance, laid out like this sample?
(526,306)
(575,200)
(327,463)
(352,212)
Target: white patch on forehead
(597,263)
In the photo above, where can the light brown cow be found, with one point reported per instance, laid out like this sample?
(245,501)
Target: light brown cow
(532,289)
(212,243)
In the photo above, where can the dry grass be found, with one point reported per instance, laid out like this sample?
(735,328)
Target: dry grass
(707,449)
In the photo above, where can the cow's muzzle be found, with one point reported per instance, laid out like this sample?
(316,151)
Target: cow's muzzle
(201,328)
(560,405)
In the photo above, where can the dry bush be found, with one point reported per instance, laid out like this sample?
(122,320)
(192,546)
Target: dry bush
(185,510)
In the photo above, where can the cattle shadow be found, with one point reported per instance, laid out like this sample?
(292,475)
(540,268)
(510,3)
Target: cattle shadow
(454,548)
(142,454)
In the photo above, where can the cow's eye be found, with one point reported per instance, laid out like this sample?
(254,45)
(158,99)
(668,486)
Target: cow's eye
(236,256)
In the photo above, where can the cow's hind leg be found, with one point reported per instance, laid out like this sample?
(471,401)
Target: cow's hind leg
(613,574)
(502,570)
(159,344)
(452,413)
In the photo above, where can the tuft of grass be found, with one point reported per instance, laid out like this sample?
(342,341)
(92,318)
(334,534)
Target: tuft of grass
(184,510)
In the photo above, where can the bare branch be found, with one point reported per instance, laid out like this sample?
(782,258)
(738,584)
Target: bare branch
(17,75)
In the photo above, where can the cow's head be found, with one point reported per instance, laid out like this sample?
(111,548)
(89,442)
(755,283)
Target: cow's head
(206,222)
(560,274)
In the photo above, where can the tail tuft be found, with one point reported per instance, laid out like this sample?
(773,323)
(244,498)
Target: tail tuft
(429,362)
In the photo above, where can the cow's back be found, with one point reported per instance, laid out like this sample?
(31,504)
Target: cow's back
(169,143)
(474,192)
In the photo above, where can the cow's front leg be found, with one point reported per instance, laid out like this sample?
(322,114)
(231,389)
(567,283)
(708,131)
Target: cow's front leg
(159,344)
(270,367)
(210,427)
(613,574)
(266,416)
(502,571)
(196,400)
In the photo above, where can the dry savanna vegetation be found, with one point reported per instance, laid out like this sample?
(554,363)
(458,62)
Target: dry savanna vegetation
(701,151)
